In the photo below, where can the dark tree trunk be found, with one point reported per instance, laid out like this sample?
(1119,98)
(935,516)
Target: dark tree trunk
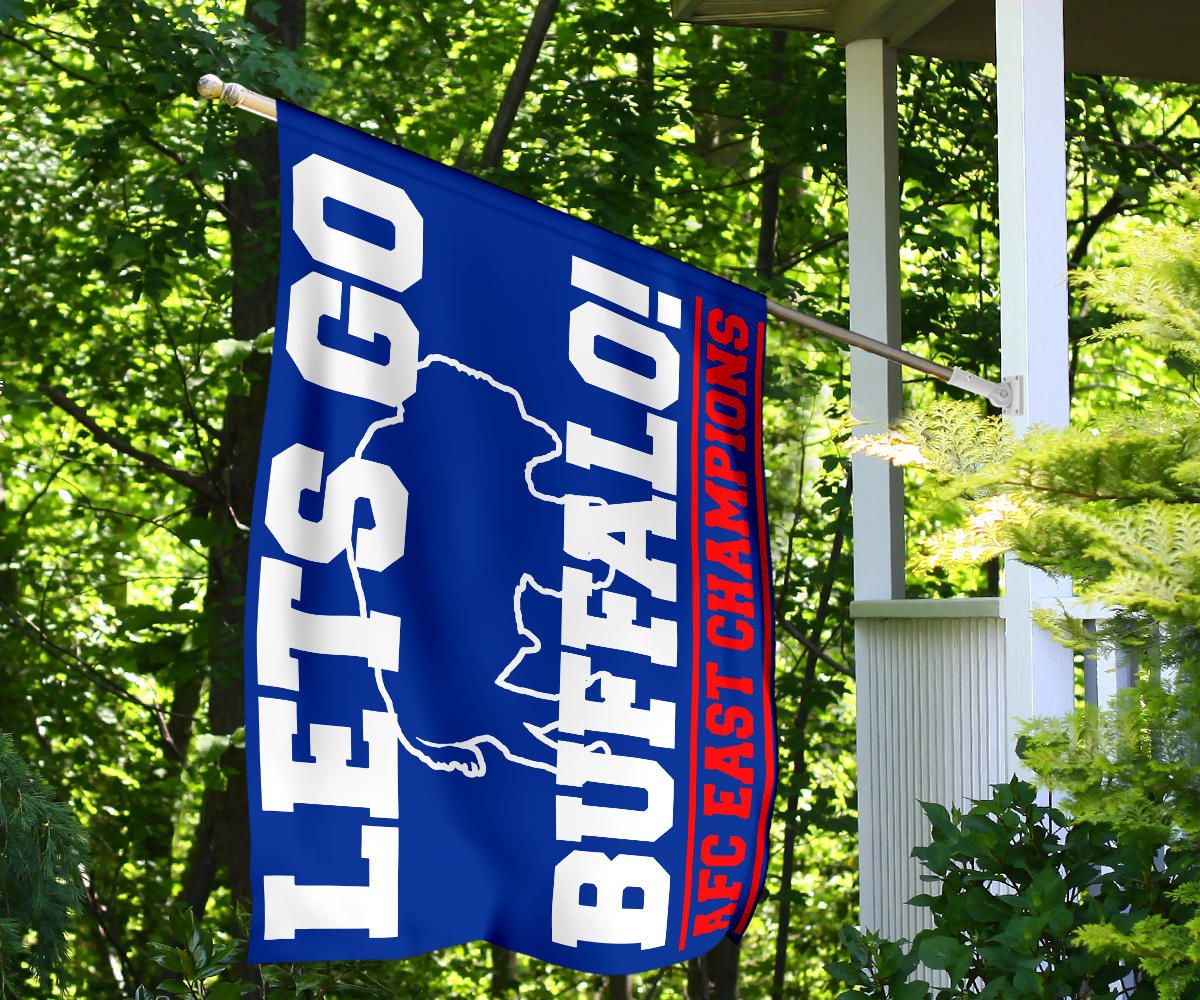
(791,821)
(646,185)
(221,850)
(715,976)
(505,982)
(619,988)
(768,209)
(8,575)
(697,980)
(723,969)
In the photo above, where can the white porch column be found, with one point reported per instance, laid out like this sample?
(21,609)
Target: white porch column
(1033,310)
(875,396)
(875,399)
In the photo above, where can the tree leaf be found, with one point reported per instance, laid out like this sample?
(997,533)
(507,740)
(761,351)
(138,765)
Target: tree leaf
(942,951)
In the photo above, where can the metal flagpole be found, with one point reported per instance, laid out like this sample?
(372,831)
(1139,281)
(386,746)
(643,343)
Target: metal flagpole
(1005,394)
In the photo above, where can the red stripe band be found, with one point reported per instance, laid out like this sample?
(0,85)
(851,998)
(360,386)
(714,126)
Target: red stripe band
(691,836)
(768,792)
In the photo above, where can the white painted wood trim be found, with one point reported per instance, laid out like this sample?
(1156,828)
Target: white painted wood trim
(1033,205)
(1030,72)
(894,20)
(954,607)
(873,183)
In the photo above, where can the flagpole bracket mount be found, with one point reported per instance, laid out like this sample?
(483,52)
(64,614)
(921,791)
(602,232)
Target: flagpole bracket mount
(1006,395)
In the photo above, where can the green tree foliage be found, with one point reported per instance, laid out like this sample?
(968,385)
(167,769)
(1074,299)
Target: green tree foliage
(1134,768)
(1158,290)
(42,853)
(135,316)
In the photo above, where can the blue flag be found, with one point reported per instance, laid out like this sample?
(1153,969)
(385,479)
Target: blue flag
(509,659)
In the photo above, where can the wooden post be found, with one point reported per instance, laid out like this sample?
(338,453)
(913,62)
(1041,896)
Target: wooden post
(1030,73)
(875,394)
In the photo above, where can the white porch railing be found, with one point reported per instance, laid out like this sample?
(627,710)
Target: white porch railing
(933,726)
(932,719)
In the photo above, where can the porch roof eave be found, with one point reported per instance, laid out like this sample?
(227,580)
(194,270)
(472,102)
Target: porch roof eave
(1154,39)
(846,20)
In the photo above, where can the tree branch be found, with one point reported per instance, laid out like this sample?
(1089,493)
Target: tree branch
(50,60)
(814,649)
(51,478)
(1109,210)
(656,983)
(73,661)
(196,484)
(115,950)
(518,83)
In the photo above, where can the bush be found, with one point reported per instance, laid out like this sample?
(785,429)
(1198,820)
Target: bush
(1016,884)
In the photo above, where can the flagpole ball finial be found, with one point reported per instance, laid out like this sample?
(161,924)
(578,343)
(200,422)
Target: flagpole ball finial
(216,89)
(213,88)
(210,87)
